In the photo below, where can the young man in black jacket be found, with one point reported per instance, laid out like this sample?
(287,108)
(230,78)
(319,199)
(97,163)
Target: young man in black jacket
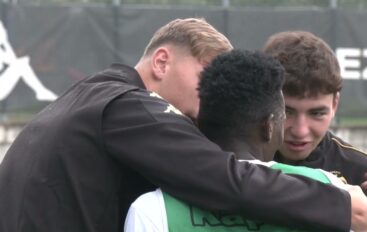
(124,131)
(311,92)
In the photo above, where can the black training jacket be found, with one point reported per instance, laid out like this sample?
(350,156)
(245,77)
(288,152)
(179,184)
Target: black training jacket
(336,156)
(83,160)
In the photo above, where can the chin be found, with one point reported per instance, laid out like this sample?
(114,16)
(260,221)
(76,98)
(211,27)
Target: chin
(299,157)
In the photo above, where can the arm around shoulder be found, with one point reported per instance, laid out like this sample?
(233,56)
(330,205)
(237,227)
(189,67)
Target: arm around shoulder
(160,144)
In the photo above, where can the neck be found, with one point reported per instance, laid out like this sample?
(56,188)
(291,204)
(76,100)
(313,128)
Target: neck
(246,150)
(146,74)
(282,159)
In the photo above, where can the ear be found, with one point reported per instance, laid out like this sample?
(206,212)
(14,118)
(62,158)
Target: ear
(160,62)
(336,99)
(267,128)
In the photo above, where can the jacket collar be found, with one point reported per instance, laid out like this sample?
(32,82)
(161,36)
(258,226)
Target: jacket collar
(126,74)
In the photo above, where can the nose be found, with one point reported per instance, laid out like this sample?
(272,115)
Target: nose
(298,126)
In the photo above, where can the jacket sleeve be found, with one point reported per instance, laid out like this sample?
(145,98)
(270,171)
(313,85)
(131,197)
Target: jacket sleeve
(151,137)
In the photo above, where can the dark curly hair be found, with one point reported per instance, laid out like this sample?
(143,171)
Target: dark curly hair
(238,90)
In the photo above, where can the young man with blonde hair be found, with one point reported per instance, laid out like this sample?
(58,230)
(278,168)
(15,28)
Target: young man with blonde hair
(122,132)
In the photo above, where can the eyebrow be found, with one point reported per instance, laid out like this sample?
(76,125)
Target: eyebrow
(319,108)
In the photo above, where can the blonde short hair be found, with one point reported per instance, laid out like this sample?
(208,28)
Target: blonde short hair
(195,34)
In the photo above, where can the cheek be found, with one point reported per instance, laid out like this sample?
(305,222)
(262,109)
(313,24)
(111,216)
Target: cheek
(319,129)
(287,123)
(192,86)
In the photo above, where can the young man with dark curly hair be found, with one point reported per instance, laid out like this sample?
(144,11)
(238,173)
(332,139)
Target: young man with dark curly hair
(241,110)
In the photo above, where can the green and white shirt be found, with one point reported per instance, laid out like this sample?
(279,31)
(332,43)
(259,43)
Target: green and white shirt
(159,212)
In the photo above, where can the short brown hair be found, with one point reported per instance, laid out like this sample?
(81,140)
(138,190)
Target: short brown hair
(201,39)
(311,67)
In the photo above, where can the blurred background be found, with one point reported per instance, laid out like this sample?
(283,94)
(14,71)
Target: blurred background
(48,45)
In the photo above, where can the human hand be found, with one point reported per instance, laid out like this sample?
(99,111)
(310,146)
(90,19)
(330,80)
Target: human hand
(359,208)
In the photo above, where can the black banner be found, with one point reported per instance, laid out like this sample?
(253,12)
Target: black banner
(45,49)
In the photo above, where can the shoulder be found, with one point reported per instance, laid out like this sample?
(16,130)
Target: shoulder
(153,198)
(347,148)
(334,180)
(150,104)
(147,213)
